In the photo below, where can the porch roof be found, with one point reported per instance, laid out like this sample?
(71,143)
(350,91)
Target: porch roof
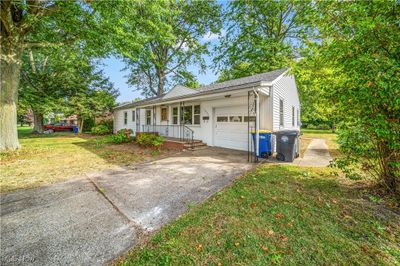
(226,86)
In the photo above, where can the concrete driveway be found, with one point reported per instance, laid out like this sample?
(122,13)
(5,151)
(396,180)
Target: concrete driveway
(94,219)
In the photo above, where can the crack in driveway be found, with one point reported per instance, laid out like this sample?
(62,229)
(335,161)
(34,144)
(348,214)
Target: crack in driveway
(96,218)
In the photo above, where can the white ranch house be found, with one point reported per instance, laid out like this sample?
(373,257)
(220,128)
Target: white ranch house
(222,114)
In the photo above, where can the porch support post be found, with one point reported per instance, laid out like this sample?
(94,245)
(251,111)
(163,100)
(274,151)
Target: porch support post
(257,122)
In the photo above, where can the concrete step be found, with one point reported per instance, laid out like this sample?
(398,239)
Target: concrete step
(196,145)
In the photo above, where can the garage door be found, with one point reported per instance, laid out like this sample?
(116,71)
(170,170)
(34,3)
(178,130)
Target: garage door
(230,127)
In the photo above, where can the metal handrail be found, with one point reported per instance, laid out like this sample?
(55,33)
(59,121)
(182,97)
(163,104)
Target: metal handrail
(191,131)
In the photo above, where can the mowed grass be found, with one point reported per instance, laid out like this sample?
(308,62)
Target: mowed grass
(279,215)
(46,159)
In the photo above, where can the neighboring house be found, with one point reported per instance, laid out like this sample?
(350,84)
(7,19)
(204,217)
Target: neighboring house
(61,118)
(222,114)
(106,116)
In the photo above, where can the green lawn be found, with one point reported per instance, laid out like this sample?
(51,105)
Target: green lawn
(280,215)
(46,159)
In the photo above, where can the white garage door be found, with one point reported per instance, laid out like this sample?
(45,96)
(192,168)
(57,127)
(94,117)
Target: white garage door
(230,127)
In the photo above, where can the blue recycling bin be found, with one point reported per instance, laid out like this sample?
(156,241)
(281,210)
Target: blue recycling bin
(75,129)
(264,145)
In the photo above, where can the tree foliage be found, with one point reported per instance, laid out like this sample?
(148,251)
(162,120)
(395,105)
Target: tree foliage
(260,36)
(173,42)
(36,24)
(361,41)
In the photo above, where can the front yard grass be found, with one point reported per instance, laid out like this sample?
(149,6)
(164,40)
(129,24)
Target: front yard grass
(280,215)
(46,159)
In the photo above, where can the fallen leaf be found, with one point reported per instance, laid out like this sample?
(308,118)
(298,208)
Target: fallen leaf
(199,247)
(284,238)
(219,264)
(279,216)
(334,201)
(264,248)
(237,243)
(253,205)
(290,224)
(242,197)
(270,232)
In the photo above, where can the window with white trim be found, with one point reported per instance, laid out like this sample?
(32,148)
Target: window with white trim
(125,118)
(175,115)
(133,116)
(293,118)
(190,115)
(298,117)
(281,122)
(196,115)
(148,117)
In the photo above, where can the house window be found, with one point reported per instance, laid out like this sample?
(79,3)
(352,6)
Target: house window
(125,118)
(249,119)
(222,119)
(235,118)
(292,116)
(298,117)
(175,115)
(196,115)
(133,116)
(187,115)
(148,117)
(164,114)
(281,113)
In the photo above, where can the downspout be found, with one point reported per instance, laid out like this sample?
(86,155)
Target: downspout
(257,122)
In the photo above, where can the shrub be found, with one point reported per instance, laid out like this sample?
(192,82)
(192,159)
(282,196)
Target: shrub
(108,123)
(88,123)
(100,130)
(122,137)
(149,140)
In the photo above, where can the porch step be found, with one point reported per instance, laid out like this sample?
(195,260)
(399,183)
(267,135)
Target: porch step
(197,145)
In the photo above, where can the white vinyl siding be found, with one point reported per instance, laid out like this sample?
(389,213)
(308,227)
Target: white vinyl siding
(285,89)
(119,121)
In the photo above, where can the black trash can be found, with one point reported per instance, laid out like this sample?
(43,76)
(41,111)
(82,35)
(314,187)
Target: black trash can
(287,145)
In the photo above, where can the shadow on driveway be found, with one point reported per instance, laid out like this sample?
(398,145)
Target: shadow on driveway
(93,219)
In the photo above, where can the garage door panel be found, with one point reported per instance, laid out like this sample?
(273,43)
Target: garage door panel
(229,134)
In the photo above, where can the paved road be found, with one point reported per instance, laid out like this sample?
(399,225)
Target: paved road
(317,154)
(92,220)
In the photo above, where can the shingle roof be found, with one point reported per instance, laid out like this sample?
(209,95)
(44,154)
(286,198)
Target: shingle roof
(267,77)
(213,88)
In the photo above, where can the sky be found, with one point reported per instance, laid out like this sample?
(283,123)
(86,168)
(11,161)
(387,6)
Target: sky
(112,68)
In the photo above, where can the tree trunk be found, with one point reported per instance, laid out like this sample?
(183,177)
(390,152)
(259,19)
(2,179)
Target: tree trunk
(81,120)
(161,82)
(10,74)
(38,122)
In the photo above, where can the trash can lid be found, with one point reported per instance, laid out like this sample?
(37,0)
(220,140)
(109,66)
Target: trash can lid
(261,131)
(289,132)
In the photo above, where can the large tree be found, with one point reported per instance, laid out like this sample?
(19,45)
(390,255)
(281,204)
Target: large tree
(174,41)
(361,42)
(97,97)
(260,36)
(33,24)
(49,75)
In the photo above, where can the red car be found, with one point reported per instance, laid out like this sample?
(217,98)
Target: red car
(58,127)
